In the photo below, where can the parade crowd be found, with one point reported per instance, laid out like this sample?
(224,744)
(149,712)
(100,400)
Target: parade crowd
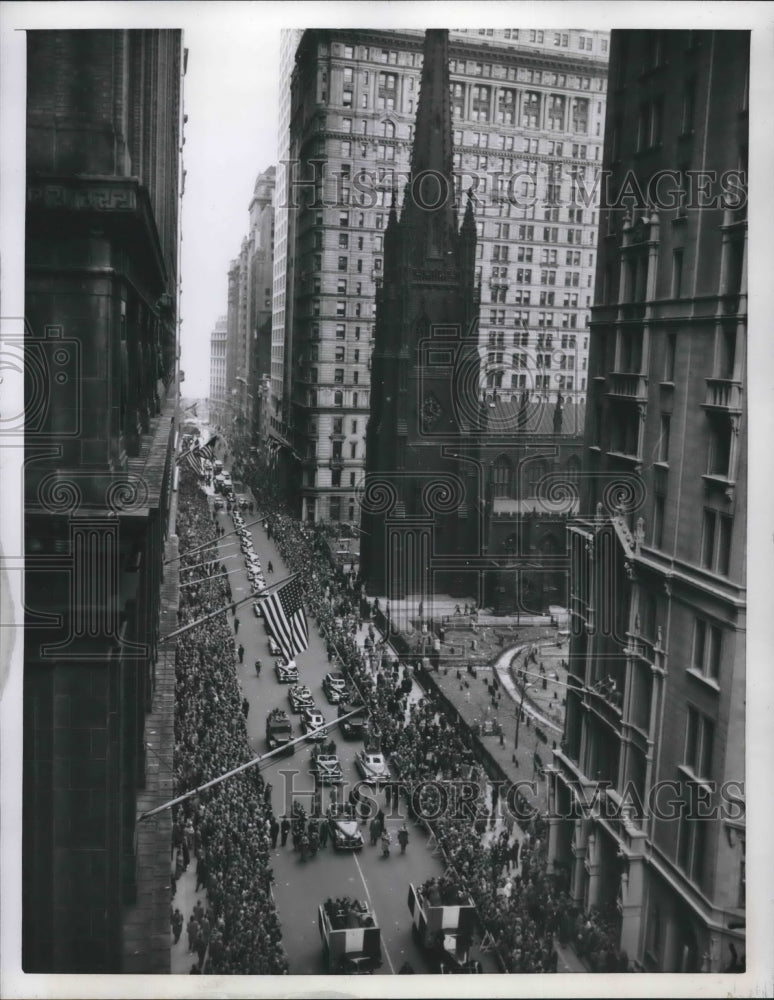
(226,829)
(523,910)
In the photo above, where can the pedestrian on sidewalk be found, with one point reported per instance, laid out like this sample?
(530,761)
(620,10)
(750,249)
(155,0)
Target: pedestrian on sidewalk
(269,567)
(236,625)
(403,838)
(245,702)
(375,829)
(323,833)
(241,654)
(303,844)
(257,668)
(201,873)
(284,830)
(274,831)
(177,924)
(267,793)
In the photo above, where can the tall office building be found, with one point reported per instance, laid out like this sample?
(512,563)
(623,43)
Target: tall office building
(248,324)
(528,112)
(282,305)
(655,721)
(104,122)
(217,398)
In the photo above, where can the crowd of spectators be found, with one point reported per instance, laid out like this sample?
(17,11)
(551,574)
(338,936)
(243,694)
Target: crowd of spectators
(523,911)
(228,825)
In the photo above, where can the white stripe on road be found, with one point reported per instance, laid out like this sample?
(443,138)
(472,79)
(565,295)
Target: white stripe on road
(373,908)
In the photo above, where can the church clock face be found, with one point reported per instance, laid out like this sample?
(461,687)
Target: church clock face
(431,410)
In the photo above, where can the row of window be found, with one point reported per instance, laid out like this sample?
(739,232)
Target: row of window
(354,401)
(563,361)
(564,383)
(522,74)
(544,341)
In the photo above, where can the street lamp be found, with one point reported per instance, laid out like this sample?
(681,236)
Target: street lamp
(523,689)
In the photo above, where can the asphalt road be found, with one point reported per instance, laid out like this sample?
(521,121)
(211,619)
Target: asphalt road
(300,887)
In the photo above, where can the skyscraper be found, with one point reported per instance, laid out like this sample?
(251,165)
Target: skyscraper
(655,725)
(527,109)
(104,122)
(217,398)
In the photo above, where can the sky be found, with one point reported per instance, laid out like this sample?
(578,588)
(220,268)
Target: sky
(231,97)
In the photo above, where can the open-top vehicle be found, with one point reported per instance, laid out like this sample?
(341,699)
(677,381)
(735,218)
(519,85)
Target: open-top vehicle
(351,937)
(326,767)
(313,725)
(444,920)
(300,697)
(287,673)
(335,686)
(279,731)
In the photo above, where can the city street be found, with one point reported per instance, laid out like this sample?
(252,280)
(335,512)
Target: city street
(300,887)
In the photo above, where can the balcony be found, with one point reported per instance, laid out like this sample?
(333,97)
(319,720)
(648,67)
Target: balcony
(336,462)
(628,385)
(723,394)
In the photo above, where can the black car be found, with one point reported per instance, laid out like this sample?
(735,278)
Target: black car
(343,827)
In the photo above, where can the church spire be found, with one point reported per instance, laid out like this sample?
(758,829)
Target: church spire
(431,189)
(433,132)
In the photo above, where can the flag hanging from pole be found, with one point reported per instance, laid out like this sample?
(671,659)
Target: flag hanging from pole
(193,457)
(283,611)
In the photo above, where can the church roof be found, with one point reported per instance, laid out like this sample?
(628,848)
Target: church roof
(537,417)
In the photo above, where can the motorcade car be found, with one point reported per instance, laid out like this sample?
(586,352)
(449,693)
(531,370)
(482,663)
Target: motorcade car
(343,827)
(300,697)
(335,686)
(257,609)
(274,646)
(287,673)
(326,767)
(313,725)
(372,766)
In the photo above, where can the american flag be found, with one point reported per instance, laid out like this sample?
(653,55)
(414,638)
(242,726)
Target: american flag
(283,611)
(193,457)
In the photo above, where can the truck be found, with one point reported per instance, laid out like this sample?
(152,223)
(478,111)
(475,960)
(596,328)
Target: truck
(444,920)
(352,728)
(350,935)
(279,731)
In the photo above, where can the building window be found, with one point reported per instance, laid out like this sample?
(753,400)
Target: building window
(719,450)
(335,478)
(663,441)
(339,354)
(338,398)
(338,375)
(707,645)
(669,357)
(699,736)
(343,263)
(677,273)
(716,541)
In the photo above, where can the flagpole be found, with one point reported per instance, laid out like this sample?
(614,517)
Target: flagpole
(215,576)
(226,607)
(244,767)
(212,541)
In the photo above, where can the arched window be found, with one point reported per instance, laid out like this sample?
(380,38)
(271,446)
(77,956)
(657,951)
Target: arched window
(537,471)
(573,468)
(388,130)
(501,477)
